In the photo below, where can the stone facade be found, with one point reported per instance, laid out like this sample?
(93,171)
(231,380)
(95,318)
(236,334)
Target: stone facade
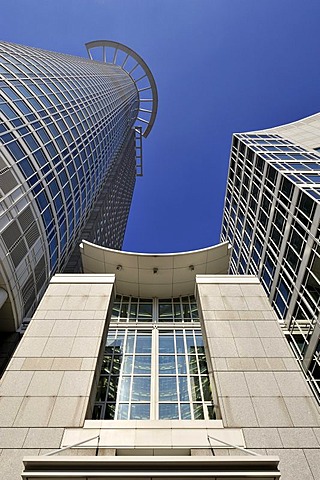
(259,384)
(264,403)
(48,383)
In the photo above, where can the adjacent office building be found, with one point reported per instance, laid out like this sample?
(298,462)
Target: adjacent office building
(143,366)
(272,221)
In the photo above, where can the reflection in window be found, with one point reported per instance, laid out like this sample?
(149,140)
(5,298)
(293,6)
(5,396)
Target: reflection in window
(125,376)
(184,386)
(153,372)
(131,309)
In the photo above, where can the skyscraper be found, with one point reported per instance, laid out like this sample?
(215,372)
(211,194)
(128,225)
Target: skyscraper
(148,365)
(71,148)
(271,219)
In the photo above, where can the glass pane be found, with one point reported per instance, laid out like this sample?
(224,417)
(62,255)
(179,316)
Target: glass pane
(186,311)
(167,388)
(133,311)
(110,340)
(202,364)
(193,367)
(127,364)
(102,389)
(183,389)
(124,310)
(140,411)
(185,411)
(190,345)
(167,364)
(118,344)
(116,364)
(116,310)
(181,360)
(109,412)
(194,311)
(200,350)
(211,412)
(106,364)
(113,387)
(142,364)
(168,411)
(195,388)
(166,344)
(97,410)
(145,312)
(165,312)
(198,411)
(141,389)
(143,344)
(177,312)
(124,389)
(206,388)
(130,343)
(180,344)
(123,411)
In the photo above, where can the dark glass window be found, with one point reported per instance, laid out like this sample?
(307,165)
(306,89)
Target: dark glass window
(16,150)
(306,208)
(286,189)
(8,111)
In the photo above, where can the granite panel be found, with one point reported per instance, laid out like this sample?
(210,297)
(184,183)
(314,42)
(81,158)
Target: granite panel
(293,464)
(262,384)
(34,412)
(232,384)
(238,412)
(271,412)
(262,438)
(43,438)
(304,411)
(298,437)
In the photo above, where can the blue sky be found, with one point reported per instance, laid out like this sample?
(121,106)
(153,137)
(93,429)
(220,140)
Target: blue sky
(221,66)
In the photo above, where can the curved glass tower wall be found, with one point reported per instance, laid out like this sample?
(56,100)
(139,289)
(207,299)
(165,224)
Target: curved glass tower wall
(66,134)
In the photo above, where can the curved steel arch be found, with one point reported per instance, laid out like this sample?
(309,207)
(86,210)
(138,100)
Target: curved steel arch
(139,62)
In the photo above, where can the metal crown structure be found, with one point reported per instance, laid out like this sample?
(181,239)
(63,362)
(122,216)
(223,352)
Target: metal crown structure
(118,54)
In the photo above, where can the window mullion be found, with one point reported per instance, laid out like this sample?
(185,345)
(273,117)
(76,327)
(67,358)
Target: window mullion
(154,375)
(186,353)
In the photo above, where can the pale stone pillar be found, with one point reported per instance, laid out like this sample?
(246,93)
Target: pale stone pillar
(259,384)
(49,381)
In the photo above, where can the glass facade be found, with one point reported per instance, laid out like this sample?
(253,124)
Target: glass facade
(271,219)
(154,366)
(66,134)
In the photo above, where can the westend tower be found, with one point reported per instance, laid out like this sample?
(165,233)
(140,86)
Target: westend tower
(70,132)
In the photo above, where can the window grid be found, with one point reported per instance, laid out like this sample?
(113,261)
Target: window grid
(281,203)
(133,309)
(154,369)
(65,120)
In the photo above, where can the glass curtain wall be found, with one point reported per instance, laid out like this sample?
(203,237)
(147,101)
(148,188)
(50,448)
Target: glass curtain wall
(271,219)
(154,366)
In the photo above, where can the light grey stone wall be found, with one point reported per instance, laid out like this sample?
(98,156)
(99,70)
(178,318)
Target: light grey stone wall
(304,132)
(48,383)
(260,387)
